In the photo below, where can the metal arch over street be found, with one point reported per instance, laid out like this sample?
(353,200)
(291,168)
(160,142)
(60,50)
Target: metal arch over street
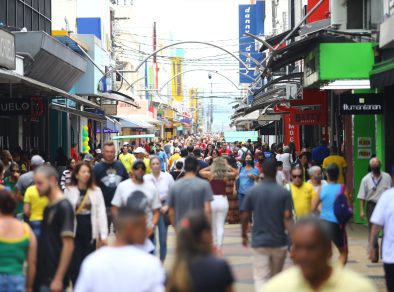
(196,70)
(187,42)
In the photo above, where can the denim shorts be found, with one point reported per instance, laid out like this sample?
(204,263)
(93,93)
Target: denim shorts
(12,283)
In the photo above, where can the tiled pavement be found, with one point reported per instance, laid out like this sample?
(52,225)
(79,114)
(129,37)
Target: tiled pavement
(239,257)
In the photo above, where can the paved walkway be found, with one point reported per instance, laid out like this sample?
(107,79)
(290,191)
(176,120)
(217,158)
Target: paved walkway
(239,257)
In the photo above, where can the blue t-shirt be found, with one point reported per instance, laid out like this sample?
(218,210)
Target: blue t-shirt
(328,194)
(163,157)
(319,153)
(245,182)
(268,154)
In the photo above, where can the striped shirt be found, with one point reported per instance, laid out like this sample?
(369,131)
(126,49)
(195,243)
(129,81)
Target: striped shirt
(65,179)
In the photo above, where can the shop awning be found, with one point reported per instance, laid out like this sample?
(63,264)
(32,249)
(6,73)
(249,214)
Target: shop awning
(240,136)
(76,112)
(53,62)
(251,117)
(25,86)
(130,122)
(110,126)
(382,74)
(273,41)
(118,96)
(143,136)
(267,129)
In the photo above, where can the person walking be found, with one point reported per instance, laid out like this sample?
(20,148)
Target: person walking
(195,268)
(270,205)
(65,179)
(313,271)
(162,181)
(91,219)
(189,193)
(327,197)
(143,192)
(339,160)
(173,158)
(383,218)
(108,174)
(302,192)
(56,243)
(319,153)
(248,174)
(218,174)
(18,246)
(140,154)
(33,209)
(372,186)
(162,156)
(27,179)
(10,183)
(286,159)
(6,158)
(123,266)
(126,158)
(177,172)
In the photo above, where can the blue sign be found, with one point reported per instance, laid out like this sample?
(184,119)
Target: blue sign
(251,20)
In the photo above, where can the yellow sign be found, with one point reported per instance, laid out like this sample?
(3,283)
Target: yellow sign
(193,103)
(177,82)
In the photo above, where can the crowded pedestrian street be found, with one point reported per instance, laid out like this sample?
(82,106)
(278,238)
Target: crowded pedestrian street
(196,146)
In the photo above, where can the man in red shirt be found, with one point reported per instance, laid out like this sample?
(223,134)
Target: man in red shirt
(74,152)
(224,150)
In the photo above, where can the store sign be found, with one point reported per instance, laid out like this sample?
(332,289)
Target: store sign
(308,117)
(291,132)
(251,20)
(21,106)
(7,50)
(361,104)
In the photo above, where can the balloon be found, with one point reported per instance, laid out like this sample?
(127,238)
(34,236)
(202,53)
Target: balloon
(88,148)
(83,148)
(85,144)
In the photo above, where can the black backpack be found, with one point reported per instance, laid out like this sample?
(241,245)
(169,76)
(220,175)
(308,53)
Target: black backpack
(343,212)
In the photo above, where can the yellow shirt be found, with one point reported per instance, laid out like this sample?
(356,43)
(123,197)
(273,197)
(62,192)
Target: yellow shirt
(302,198)
(37,203)
(147,164)
(127,161)
(340,162)
(172,159)
(341,279)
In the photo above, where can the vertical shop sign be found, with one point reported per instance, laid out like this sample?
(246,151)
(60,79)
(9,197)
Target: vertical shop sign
(177,82)
(291,132)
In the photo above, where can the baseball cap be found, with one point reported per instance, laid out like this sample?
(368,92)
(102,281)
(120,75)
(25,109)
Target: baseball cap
(126,144)
(98,151)
(139,150)
(37,160)
(88,157)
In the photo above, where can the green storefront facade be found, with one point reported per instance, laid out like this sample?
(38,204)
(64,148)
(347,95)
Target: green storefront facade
(344,70)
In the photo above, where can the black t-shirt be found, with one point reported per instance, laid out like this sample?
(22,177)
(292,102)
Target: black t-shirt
(175,174)
(210,274)
(108,177)
(58,222)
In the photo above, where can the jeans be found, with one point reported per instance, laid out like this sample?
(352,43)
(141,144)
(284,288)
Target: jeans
(370,207)
(12,283)
(36,227)
(240,200)
(219,207)
(267,262)
(163,229)
(389,275)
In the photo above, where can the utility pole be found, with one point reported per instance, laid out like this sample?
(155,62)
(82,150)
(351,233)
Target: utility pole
(210,111)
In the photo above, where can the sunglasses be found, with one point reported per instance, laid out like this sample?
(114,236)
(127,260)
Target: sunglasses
(139,168)
(297,176)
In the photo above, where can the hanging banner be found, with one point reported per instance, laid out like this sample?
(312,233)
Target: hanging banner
(251,20)
(309,117)
(291,132)
(177,82)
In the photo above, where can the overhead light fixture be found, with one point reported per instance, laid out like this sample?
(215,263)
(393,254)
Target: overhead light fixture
(347,84)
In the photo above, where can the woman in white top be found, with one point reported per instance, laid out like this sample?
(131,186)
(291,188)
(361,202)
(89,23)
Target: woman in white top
(162,181)
(286,159)
(91,218)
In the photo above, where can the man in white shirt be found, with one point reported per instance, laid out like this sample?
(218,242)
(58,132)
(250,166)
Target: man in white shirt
(372,187)
(143,193)
(383,217)
(123,266)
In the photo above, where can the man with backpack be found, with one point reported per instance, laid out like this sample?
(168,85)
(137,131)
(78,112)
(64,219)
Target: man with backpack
(335,210)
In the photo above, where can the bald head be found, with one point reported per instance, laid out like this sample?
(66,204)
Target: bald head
(374,162)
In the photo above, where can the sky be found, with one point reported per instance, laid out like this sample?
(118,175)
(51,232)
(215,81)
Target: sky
(213,21)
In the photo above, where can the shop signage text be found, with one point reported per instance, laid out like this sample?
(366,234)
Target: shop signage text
(308,117)
(7,50)
(21,106)
(361,104)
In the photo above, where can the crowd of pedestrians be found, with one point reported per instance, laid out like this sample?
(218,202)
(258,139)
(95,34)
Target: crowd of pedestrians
(55,223)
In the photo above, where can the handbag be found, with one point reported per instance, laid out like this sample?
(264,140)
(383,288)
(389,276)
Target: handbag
(85,198)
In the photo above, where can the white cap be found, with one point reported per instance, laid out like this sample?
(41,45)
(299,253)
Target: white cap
(139,150)
(98,151)
(126,144)
(177,150)
(37,160)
